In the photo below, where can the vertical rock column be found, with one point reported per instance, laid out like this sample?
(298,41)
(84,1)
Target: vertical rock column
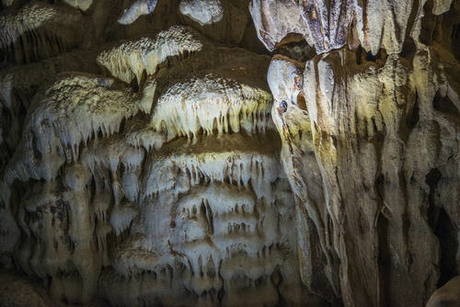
(367,135)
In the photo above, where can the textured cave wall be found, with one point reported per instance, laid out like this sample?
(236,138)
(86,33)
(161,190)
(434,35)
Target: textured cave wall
(140,164)
(220,152)
(370,142)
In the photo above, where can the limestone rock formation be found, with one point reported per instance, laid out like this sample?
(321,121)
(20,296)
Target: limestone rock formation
(370,144)
(329,25)
(137,9)
(17,292)
(81,4)
(132,58)
(153,153)
(449,294)
(39,30)
(203,12)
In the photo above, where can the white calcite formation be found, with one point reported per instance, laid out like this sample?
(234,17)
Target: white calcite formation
(130,59)
(26,31)
(136,10)
(167,190)
(204,12)
(71,112)
(150,163)
(27,19)
(81,4)
(329,25)
(209,207)
(370,148)
(209,103)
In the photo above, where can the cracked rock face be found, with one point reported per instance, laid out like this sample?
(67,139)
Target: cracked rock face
(152,153)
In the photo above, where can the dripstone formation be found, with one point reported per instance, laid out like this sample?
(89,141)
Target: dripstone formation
(229,153)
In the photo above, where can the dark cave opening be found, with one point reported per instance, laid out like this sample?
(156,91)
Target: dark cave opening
(446,233)
(445,105)
(456,40)
(444,229)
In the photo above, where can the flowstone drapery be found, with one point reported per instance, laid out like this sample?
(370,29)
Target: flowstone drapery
(158,183)
(370,143)
(229,153)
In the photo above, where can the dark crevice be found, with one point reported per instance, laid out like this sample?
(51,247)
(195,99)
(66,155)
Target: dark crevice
(428,24)
(36,151)
(295,47)
(443,228)
(446,233)
(413,117)
(456,40)
(408,49)
(384,260)
(301,103)
(362,56)
(445,105)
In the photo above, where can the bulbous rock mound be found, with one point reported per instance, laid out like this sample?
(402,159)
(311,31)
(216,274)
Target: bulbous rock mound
(155,153)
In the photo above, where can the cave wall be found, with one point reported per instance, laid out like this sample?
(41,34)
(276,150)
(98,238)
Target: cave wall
(369,125)
(218,152)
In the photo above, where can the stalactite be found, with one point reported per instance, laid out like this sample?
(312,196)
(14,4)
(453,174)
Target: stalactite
(160,156)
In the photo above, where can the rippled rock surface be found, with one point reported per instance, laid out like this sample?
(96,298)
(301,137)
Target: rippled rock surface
(229,153)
